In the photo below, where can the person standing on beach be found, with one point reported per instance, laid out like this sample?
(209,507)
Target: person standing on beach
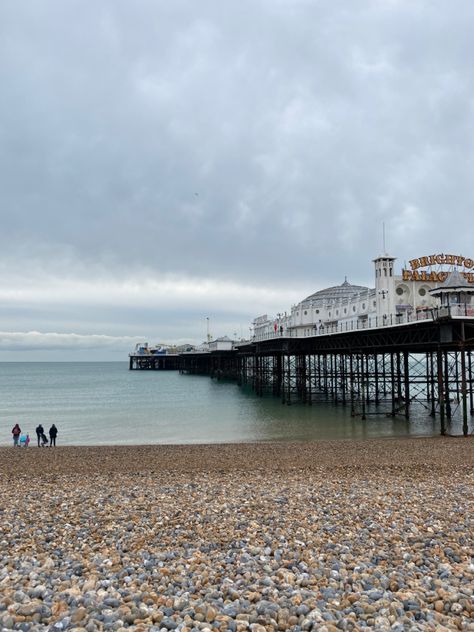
(16,432)
(53,433)
(39,433)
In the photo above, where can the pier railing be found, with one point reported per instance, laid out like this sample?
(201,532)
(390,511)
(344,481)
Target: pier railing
(371,322)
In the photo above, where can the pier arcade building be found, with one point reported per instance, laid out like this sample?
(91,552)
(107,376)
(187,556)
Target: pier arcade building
(428,282)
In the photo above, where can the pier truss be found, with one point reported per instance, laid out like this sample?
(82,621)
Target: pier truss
(153,362)
(386,371)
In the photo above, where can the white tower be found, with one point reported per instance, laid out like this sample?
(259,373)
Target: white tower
(385,288)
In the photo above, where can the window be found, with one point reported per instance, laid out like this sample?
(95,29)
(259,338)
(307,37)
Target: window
(399,291)
(422,291)
(305,312)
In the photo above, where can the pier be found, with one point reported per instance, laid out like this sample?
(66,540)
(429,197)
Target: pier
(385,370)
(405,344)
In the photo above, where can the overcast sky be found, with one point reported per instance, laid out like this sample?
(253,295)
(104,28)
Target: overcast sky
(163,162)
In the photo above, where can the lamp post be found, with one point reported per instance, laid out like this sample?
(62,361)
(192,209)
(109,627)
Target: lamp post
(384,294)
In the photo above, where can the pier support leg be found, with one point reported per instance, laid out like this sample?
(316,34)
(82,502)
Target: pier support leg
(471,392)
(464,393)
(439,362)
(351,383)
(392,379)
(431,382)
(376,378)
(447,394)
(406,375)
(363,383)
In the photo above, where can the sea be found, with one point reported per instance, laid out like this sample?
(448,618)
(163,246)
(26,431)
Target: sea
(103,403)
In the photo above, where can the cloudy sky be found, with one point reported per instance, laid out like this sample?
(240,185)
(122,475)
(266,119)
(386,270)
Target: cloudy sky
(163,162)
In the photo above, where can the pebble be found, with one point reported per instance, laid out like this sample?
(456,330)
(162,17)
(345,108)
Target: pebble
(334,546)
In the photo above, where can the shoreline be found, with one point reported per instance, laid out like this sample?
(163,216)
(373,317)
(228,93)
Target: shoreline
(389,452)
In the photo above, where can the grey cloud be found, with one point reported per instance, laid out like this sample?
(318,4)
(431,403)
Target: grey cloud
(253,141)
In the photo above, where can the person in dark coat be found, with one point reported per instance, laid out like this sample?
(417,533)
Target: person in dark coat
(39,433)
(16,432)
(53,433)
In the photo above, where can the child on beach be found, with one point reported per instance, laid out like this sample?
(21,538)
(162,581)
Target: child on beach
(24,440)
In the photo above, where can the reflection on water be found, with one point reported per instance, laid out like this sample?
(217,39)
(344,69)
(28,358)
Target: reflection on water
(104,403)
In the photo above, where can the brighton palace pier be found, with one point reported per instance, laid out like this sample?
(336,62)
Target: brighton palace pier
(402,345)
(395,299)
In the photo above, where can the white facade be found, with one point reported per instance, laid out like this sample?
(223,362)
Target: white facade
(221,344)
(395,299)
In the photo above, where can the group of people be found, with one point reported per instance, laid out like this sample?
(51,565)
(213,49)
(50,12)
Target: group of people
(20,439)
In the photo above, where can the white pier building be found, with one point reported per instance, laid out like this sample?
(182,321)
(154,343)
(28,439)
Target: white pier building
(431,282)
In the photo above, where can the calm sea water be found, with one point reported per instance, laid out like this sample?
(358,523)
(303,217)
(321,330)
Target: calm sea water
(105,403)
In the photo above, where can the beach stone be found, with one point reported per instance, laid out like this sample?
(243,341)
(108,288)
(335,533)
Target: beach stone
(293,541)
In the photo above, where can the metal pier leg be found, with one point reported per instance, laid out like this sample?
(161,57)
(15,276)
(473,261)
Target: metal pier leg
(406,371)
(343,379)
(326,381)
(471,393)
(367,377)
(277,376)
(447,394)
(363,383)
(310,378)
(439,358)
(392,378)
(288,397)
(384,375)
(464,393)
(399,379)
(302,378)
(456,370)
(283,383)
(351,382)
(376,379)
(432,385)
(258,376)
(428,382)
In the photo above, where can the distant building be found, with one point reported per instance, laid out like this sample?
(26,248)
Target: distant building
(221,344)
(429,282)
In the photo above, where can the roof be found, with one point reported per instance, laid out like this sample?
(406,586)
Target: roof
(344,291)
(455,282)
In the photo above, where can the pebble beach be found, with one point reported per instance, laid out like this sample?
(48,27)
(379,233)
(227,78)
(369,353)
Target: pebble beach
(331,535)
